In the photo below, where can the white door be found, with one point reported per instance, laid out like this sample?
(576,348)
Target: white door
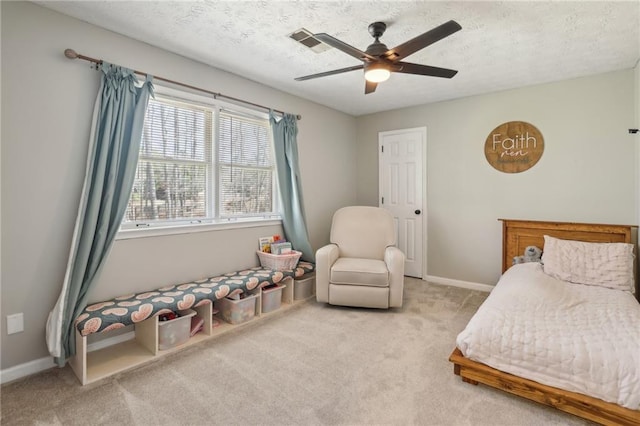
(402,189)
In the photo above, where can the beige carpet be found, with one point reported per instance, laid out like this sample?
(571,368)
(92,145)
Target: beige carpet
(312,365)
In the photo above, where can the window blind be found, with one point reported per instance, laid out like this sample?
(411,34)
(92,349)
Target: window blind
(174,163)
(246,166)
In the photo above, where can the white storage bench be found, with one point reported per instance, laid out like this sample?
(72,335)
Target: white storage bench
(142,310)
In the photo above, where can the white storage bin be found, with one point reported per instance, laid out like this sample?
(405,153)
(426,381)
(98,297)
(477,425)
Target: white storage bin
(176,331)
(304,287)
(271,298)
(237,311)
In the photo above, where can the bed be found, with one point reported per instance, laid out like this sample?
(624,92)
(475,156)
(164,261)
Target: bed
(599,379)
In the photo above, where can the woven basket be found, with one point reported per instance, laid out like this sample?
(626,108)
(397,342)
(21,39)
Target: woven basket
(279,262)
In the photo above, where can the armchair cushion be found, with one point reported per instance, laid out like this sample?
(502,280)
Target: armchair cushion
(356,271)
(363,232)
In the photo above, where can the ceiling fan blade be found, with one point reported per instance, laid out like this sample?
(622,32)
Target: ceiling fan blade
(407,48)
(369,87)
(340,45)
(409,68)
(326,73)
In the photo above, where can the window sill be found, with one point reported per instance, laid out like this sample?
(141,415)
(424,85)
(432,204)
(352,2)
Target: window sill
(159,231)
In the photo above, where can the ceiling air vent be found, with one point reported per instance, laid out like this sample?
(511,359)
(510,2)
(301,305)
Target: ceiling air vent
(307,39)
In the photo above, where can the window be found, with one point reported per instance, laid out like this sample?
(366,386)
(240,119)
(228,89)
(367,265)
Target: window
(201,163)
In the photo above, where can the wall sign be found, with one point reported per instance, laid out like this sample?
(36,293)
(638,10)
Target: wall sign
(514,147)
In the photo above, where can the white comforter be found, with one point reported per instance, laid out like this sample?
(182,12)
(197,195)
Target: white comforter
(575,337)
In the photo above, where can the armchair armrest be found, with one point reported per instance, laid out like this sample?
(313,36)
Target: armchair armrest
(325,258)
(394,258)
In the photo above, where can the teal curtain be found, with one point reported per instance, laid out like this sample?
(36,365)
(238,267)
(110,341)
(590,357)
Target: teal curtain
(285,134)
(118,117)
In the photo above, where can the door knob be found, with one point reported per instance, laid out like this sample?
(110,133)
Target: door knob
(417,212)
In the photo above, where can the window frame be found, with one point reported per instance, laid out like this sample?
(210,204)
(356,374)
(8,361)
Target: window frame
(216,221)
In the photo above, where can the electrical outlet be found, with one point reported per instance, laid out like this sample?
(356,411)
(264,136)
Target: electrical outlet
(15,323)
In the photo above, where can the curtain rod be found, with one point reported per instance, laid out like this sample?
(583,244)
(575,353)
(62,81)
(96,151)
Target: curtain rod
(72,54)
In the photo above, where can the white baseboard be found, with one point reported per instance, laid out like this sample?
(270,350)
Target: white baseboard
(458,283)
(26,369)
(36,366)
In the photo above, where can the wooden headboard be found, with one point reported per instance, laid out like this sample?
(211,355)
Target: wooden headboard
(518,234)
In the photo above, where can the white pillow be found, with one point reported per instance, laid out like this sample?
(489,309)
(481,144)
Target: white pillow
(601,264)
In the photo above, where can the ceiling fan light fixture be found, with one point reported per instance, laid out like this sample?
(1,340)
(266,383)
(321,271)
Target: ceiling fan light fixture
(378,61)
(377,73)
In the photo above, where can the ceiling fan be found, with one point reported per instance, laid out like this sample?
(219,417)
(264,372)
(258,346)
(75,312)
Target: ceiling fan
(379,61)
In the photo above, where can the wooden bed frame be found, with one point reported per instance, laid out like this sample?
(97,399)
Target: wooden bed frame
(517,235)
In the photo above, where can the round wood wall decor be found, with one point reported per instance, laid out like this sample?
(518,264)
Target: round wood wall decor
(514,147)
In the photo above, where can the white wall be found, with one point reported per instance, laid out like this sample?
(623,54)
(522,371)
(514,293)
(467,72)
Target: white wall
(586,174)
(47,102)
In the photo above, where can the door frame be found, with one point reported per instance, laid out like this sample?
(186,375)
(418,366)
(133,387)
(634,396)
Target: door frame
(425,204)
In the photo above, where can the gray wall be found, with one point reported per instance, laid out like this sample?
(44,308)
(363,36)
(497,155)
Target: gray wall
(635,123)
(586,174)
(47,103)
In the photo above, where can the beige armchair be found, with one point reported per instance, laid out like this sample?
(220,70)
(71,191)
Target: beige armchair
(361,267)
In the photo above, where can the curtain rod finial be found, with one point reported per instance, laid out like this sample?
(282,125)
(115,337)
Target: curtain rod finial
(70,53)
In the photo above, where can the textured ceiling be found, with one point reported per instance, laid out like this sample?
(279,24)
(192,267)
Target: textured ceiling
(502,45)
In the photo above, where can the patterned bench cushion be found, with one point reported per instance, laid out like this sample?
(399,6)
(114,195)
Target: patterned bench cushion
(133,308)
